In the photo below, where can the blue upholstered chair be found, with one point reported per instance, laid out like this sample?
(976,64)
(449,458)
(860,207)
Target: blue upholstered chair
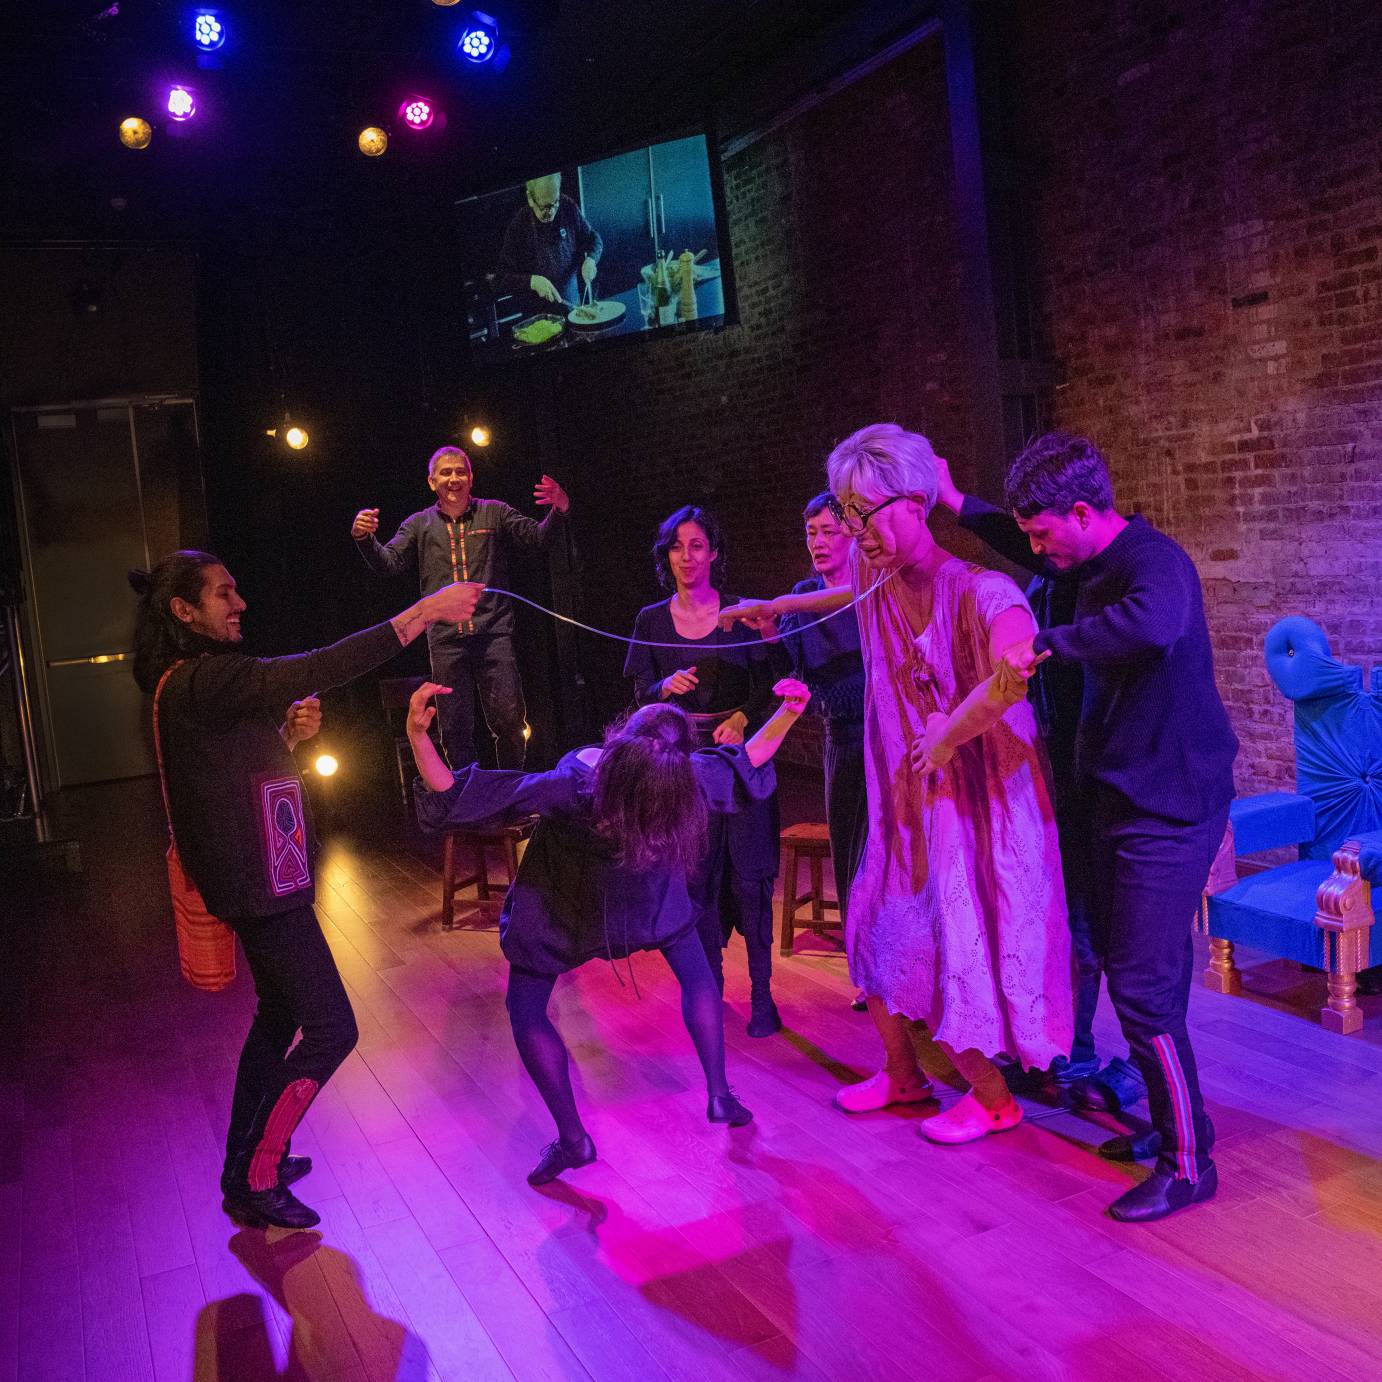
(1317,908)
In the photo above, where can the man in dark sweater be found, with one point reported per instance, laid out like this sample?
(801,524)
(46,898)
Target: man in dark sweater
(1056,691)
(240,819)
(545,245)
(461,538)
(1154,758)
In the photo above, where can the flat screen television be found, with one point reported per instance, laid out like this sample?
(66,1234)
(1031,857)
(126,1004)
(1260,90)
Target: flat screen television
(627,247)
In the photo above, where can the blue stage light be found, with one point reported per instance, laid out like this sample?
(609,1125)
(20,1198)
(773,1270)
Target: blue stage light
(208,31)
(480,39)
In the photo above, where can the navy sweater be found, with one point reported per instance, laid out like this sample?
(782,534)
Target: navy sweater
(1152,725)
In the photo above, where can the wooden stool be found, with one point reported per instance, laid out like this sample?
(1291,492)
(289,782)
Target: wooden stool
(506,838)
(806,841)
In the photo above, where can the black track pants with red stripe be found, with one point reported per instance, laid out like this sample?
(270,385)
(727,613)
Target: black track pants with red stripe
(299,990)
(1146,877)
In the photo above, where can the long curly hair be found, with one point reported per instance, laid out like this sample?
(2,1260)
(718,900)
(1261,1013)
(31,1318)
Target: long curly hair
(647,802)
(160,637)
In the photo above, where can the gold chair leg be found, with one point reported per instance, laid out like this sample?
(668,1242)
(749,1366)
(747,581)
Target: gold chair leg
(1342,1013)
(1222,976)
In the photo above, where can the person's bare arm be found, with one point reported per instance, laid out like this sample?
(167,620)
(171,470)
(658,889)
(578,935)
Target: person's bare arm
(986,704)
(761,614)
(764,744)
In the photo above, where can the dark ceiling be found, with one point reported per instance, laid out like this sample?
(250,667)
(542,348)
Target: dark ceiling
(281,105)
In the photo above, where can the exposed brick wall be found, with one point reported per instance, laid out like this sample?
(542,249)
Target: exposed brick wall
(848,287)
(1191,156)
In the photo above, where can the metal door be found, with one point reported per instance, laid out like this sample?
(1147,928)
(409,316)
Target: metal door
(103,487)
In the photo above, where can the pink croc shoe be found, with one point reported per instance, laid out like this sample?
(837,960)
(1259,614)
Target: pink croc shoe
(969,1120)
(881,1090)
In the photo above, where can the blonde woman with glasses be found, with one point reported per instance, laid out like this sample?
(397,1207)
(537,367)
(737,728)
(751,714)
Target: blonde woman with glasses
(957,916)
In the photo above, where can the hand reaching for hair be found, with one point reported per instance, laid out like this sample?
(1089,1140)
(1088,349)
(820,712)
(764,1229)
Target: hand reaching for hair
(796,696)
(421,712)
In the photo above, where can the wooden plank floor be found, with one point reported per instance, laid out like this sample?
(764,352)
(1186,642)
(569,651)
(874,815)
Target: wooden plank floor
(806,1245)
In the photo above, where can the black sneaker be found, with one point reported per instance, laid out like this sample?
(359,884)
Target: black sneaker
(558,1157)
(726,1108)
(278,1207)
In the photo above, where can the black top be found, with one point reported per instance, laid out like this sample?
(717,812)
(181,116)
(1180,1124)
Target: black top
(553,249)
(828,660)
(1057,689)
(1152,724)
(240,814)
(728,678)
(571,900)
(473,547)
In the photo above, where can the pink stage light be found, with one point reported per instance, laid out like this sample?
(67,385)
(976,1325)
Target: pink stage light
(181,105)
(417,112)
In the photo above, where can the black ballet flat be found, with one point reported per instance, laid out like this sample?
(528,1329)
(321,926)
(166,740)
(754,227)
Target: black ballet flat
(726,1108)
(278,1208)
(1162,1194)
(558,1157)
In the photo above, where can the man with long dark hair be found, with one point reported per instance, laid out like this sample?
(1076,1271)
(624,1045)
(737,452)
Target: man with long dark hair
(1154,757)
(239,816)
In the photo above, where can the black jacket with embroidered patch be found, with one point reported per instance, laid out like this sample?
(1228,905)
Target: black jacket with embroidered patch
(240,814)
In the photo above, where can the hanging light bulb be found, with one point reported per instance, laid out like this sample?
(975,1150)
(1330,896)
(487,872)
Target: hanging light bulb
(135,133)
(480,436)
(326,765)
(373,141)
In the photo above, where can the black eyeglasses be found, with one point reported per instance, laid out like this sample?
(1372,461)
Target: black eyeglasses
(852,518)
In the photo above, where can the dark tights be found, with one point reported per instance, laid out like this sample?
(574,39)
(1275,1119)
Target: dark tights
(544,1053)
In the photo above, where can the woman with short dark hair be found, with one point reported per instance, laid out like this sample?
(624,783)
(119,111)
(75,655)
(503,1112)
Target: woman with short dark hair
(723,686)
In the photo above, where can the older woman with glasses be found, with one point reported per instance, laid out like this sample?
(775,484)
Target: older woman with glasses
(957,912)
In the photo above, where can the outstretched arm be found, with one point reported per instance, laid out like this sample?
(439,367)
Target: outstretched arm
(232,685)
(764,744)
(421,713)
(475,796)
(987,703)
(760,614)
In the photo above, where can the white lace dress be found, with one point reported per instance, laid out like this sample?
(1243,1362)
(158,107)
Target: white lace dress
(957,914)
